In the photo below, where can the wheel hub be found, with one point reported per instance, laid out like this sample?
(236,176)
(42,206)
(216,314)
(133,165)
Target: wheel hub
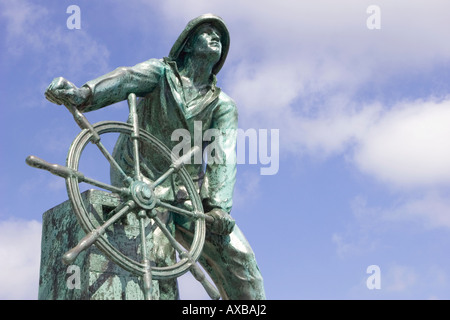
(143,195)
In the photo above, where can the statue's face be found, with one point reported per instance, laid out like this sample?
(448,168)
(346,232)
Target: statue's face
(206,41)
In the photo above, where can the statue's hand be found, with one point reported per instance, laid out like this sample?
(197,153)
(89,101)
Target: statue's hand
(223,223)
(62,91)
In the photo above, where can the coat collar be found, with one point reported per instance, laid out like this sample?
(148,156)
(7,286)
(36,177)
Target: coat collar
(194,107)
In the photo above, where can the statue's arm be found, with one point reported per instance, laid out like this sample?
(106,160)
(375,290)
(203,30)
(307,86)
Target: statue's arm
(110,88)
(220,176)
(115,86)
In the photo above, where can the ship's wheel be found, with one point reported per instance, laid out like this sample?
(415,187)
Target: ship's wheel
(137,196)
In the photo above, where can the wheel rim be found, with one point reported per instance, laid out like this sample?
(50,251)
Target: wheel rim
(72,184)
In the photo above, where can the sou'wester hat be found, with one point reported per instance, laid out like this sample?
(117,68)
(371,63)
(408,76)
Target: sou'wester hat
(190,29)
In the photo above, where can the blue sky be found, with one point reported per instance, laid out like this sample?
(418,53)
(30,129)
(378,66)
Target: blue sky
(364,133)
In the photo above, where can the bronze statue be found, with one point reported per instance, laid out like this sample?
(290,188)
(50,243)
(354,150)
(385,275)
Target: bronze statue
(179,91)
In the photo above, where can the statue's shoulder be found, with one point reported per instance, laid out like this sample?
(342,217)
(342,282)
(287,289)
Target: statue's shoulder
(226,105)
(225,99)
(155,62)
(152,65)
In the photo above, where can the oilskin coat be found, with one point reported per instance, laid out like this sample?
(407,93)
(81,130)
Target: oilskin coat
(163,109)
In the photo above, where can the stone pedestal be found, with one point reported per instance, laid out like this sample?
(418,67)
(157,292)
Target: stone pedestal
(92,276)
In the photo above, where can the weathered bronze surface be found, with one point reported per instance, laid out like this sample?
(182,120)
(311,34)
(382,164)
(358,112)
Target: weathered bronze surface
(188,204)
(95,276)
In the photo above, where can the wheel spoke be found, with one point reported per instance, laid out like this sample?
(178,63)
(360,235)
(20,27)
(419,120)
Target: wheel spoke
(106,186)
(162,178)
(70,256)
(147,277)
(83,123)
(146,171)
(177,246)
(66,172)
(186,158)
(184,212)
(135,133)
(112,161)
(176,165)
(194,268)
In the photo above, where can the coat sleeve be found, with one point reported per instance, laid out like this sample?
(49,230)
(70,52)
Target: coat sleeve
(220,174)
(115,86)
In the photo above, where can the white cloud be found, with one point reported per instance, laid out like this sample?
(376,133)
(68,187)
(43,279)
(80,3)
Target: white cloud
(409,146)
(325,31)
(33,31)
(334,132)
(20,250)
(20,15)
(431,210)
(257,94)
(372,224)
(297,65)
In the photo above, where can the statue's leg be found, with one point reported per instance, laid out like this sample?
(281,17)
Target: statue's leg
(230,262)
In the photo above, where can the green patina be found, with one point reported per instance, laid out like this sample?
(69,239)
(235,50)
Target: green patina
(170,205)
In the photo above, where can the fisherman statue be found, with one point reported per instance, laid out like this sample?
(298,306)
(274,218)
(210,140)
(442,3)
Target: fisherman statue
(180,92)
